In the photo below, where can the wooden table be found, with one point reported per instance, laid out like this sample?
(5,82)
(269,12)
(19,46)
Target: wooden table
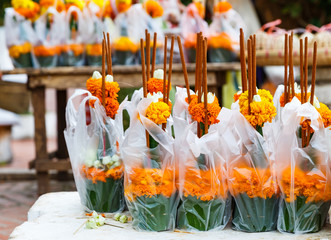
(63,78)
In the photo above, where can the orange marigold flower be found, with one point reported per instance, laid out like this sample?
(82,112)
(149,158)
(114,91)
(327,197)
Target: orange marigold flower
(155,85)
(205,185)
(255,182)
(43,51)
(27,8)
(149,182)
(77,49)
(196,6)
(222,6)
(125,44)
(260,112)
(94,49)
(123,5)
(16,50)
(153,8)
(325,113)
(221,40)
(311,184)
(96,174)
(158,112)
(282,98)
(236,97)
(197,110)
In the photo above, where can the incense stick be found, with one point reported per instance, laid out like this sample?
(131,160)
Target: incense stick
(170,66)
(148,56)
(243,62)
(184,68)
(154,53)
(301,70)
(291,77)
(313,74)
(205,91)
(144,80)
(110,70)
(254,65)
(285,69)
(306,69)
(249,59)
(165,68)
(199,68)
(197,50)
(103,73)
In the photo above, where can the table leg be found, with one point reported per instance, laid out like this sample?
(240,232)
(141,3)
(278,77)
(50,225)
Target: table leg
(40,139)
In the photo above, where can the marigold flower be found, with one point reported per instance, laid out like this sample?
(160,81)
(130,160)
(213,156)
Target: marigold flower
(221,40)
(125,44)
(190,41)
(260,112)
(197,110)
(27,8)
(153,8)
(97,174)
(310,184)
(44,51)
(222,6)
(149,182)
(158,112)
(94,49)
(255,182)
(155,85)
(196,7)
(123,5)
(236,97)
(16,50)
(298,96)
(78,3)
(325,113)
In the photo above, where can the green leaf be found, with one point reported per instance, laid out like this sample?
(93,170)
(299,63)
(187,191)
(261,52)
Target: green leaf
(195,214)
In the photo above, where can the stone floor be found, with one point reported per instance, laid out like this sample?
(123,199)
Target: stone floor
(17,197)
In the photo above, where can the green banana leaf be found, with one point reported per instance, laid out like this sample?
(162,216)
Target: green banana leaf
(105,196)
(255,214)
(157,213)
(302,217)
(195,214)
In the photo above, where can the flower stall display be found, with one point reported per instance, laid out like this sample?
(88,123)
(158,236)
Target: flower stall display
(48,32)
(191,23)
(224,33)
(205,203)
(19,37)
(149,186)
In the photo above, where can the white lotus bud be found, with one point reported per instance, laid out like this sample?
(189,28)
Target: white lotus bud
(256,98)
(155,97)
(158,74)
(123,219)
(210,97)
(109,78)
(100,220)
(96,75)
(106,160)
(97,164)
(115,158)
(117,216)
(91,224)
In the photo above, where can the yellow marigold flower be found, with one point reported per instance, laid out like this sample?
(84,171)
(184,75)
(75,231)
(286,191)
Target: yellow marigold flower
(153,8)
(236,97)
(325,113)
(123,5)
(282,98)
(94,49)
(222,6)
(158,112)
(261,112)
(78,3)
(16,50)
(198,113)
(27,8)
(221,40)
(125,44)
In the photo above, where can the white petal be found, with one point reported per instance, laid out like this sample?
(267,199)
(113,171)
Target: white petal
(96,75)
(158,74)
(106,160)
(109,78)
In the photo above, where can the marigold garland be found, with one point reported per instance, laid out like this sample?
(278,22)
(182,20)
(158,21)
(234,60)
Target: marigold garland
(309,184)
(255,182)
(158,112)
(222,6)
(236,97)
(16,50)
(97,174)
(205,185)
(221,40)
(260,112)
(125,44)
(149,182)
(153,8)
(197,110)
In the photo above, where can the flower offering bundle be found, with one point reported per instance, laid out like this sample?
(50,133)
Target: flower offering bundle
(94,144)
(251,177)
(303,161)
(205,203)
(149,185)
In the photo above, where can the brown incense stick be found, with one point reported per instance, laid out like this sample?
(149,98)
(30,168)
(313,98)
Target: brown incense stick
(148,56)
(110,70)
(165,68)
(291,74)
(154,53)
(243,61)
(199,68)
(301,70)
(103,73)
(184,68)
(306,69)
(205,91)
(254,65)
(313,74)
(285,69)
(170,66)
(249,59)
(143,66)
(196,62)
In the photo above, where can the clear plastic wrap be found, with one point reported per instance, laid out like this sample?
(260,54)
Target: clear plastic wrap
(149,184)
(73,49)
(303,174)
(48,32)
(251,176)
(94,154)
(20,37)
(191,24)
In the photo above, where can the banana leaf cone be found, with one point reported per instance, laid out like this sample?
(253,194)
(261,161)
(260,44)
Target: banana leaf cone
(69,59)
(93,60)
(125,57)
(220,55)
(196,214)
(301,216)
(255,214)
(23,61)
(46,62)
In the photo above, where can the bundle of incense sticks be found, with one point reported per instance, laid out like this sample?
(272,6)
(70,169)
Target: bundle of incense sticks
(289,91)
(251,66)
(146,73)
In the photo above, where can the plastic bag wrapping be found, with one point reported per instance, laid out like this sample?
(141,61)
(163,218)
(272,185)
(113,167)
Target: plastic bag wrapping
(94,28)
(171,13)
(94,155)
(191,24)
(223,36)
(73,49)
(48,31)
(129,28)
(205,203)
(303,174)
(150,187)
(251,176)
(20,37)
